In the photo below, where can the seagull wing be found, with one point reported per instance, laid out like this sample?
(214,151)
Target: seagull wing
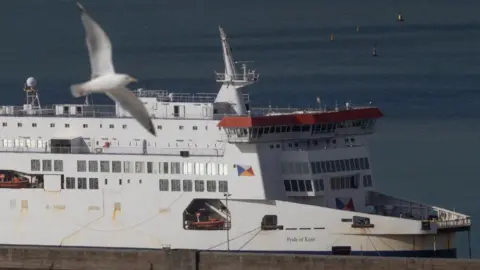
(98,44)
(133,105)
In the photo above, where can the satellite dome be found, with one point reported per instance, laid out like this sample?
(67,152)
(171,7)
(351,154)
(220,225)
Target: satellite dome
(31,82)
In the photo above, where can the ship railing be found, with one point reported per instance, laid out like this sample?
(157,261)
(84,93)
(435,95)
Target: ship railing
(165,96)
(271,111)
(250,76)
(451,219)
(173,151)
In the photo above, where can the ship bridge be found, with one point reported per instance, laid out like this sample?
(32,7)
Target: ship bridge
(283,124)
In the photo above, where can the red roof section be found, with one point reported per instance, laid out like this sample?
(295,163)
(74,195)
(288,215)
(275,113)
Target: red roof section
(300,119)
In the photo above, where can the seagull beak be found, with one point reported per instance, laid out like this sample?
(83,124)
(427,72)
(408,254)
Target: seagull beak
(133,79)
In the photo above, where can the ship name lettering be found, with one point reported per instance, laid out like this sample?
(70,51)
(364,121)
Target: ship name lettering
(300,239)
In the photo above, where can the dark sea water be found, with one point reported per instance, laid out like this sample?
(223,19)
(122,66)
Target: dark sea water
(425,79)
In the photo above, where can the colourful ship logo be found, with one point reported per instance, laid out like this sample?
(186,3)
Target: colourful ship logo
(345,204)
(243,170)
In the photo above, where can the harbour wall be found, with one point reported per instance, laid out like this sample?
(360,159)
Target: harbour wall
(123,259)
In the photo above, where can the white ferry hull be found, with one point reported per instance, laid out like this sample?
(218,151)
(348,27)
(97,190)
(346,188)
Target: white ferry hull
(89,219)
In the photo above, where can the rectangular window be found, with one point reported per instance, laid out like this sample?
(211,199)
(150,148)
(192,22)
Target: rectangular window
(175,168)
(93,183)
(70,182)
(199,186)
(58,165)
(127,166)
(187,185)
(93,166)
(81,165)
(294,184)
(301,185)
(47,165)
(105,166)
(116,166)
(308,185)
(149,167)
(367,164)
(82,183)
(211,186)
(35,165)
(139,167)
(223,186)
(175,185)
(163,183)
(165,167)
(313,167)
(287,185)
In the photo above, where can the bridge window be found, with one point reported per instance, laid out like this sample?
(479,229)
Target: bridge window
(70,182)
(163,184)
(82,183)
(287,185)
(187,185)
(318,184)
(175,185)
(223,186)
(344,182)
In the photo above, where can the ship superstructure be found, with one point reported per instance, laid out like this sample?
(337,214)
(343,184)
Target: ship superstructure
(220,175)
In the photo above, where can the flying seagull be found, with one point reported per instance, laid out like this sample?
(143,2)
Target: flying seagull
(103,78)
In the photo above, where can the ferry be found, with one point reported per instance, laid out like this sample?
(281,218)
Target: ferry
(220,175)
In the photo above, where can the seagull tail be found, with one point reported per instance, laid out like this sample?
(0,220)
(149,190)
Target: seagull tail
(78,90)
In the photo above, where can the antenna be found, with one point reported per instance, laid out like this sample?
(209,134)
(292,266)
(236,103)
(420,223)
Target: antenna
(33,100)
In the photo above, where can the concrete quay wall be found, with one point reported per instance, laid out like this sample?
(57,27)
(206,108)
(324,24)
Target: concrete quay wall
(123,259)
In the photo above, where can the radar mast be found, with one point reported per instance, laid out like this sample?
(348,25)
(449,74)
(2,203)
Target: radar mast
(32,98)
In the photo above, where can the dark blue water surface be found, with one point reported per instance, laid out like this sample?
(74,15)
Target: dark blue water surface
(425,79)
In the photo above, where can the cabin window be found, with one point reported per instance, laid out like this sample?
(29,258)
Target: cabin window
(199,186)
(4,124)
(93,183)
(116,166)
(180,127)
(127,166)
(106,181)
(67,125)
(124,126)
(34,124)
(367,163)
(82,183)
(194,127)
(81,165)
(93,166)
(175,168)
(70,182)
(159,127)
(111,126)
(52,125)
(58,165)
(19,124)
(35,165)
(308,185)
(105,166)
(139,167)
(163,184)
(47,165)
(176,111)
(222,186)
(175,185)
(211,186)
(187,185)
(149,167)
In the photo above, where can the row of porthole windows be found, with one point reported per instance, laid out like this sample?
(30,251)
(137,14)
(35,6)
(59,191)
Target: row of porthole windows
(184,168)
(189,185)
(124,126)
